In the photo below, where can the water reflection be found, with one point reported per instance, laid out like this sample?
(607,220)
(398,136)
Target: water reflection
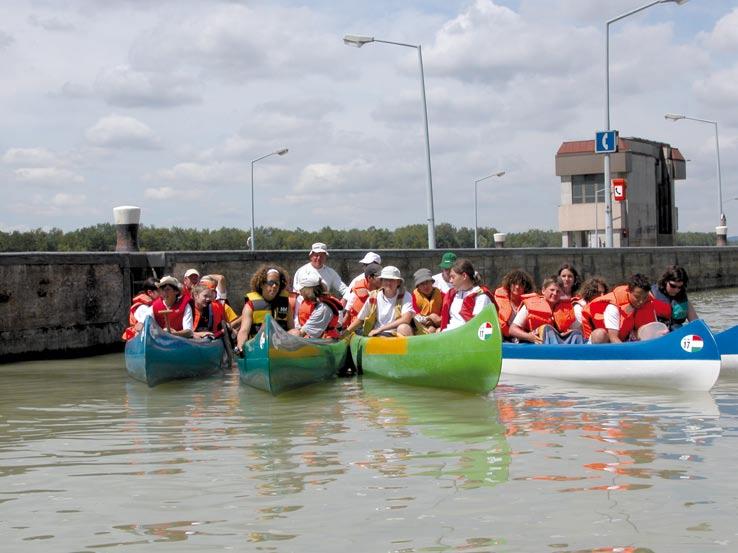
(475,452)
(91,460)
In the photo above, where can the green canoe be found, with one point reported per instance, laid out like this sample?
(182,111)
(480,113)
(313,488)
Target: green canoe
(467,358)
(276,361)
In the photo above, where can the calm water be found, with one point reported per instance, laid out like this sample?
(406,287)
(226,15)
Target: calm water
(92,461)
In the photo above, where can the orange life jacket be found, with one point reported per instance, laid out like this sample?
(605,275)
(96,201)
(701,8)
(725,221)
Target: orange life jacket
(177,314)
(215,318)
(540,313)
(361,293)
(467,304)
(505,311)
(593,314)
(427,306)
(136,302)
(308,306)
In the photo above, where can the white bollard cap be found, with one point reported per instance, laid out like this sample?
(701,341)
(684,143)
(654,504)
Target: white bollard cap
(721,230)
(500,236)
(127,215)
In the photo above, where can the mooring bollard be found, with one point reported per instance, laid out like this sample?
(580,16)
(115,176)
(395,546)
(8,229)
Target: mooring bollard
(500,239)
(721,235)
(127,219)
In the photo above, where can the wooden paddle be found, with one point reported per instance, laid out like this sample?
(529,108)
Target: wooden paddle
(166,313)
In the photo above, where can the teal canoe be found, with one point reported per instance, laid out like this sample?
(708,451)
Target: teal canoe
(467,358)
(276,361)
(154,356)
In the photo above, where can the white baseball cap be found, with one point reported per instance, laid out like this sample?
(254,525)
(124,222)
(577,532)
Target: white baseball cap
(308,279)
(319,247)
(371,257)
(190,272)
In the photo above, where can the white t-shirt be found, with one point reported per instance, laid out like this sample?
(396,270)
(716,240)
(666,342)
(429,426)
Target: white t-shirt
(351,285)
(440,283)
(142,312)
(577,306)
(521,319)
(386,308)
(612,317)
(330,277)
(455,318)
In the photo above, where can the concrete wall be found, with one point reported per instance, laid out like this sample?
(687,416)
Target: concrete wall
(52,304)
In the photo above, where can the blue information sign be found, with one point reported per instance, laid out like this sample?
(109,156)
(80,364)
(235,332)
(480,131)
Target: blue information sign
(606,142)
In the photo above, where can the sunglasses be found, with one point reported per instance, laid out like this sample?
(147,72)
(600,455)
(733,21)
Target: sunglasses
(675,285)
(272,283)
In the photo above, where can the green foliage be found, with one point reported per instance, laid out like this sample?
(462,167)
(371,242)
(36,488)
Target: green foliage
(695,239)
(101,238)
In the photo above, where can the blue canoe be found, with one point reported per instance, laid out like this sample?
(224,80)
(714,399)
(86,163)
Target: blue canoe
(276,361)
(686,359)
(727,342)
(154,356)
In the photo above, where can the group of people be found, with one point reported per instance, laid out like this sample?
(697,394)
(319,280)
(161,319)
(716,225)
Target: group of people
(316,303)
(197,307)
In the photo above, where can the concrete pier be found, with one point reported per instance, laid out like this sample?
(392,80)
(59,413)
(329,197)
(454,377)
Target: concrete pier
(62,304)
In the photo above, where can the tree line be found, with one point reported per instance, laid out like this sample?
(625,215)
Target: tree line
(101,238)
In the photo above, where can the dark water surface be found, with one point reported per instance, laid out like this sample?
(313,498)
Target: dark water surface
(93,461)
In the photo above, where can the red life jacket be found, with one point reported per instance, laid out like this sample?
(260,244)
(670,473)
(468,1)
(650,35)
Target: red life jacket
(505,311)
(467,305)
(177,314)
(136,302)
(216,313)
(593,314)
(540,313)
(307,307)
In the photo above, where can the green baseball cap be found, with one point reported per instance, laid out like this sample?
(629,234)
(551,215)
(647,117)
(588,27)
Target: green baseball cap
(448,260)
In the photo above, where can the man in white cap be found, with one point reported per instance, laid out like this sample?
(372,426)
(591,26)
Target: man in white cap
(332,280)
(191,278)
(389,310)
(368,259)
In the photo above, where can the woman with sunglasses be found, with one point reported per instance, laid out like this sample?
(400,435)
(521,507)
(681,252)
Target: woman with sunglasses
(268,295)
(673,308)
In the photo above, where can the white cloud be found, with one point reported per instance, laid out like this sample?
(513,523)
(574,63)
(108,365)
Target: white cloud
(48,176)
(119,131)
(30,157)
(492,43)
(63,199)
(724,35)
(169,193)
(719,91)
(5,39)
(52,23)
(192,172)
(123,86)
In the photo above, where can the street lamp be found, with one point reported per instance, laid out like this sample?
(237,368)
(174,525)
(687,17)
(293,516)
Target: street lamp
(677,117)
(358,41)
(476,182)
(280,152)
(608,193)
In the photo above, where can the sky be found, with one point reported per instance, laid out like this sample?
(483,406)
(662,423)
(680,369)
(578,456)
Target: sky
(164,104)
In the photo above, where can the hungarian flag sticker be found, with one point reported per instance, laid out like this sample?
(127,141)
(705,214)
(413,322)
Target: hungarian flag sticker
(485,331)
(692,343)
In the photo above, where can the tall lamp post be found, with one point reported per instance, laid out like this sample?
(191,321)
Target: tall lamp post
(608,192)
(280,152)
(359,41)
(677,117)
(476,221)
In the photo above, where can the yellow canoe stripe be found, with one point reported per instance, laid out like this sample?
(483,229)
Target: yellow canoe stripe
(306,351)
(386,346)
